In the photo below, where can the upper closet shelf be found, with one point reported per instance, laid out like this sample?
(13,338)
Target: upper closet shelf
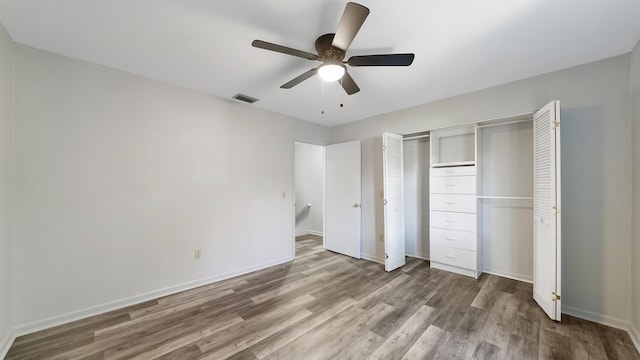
(454,163)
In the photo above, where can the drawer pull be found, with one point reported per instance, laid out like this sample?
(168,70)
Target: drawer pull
(451,172)
(450,203)
(451,256)
(450,221)
(450,185)
(452,239)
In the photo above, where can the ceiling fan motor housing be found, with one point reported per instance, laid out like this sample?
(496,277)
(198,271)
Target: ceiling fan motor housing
(326,51)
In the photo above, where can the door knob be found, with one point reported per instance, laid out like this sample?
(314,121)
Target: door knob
(356,205)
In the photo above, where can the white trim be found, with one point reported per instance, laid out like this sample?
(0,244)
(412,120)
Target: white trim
(504,123)
(423,257)
(6,343)
(518,277)
(634,334)
(598,318)
(313,232)
(372,258)
(136,299)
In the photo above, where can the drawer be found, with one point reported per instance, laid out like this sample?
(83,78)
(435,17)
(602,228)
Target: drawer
(453,238)
(452,185)
(453,171)
(448,202)
(453,221)
(451,256)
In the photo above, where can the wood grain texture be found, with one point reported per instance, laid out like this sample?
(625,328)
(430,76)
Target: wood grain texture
(328,306)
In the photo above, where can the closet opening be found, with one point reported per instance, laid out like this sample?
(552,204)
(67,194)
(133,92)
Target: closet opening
(309,174)
(416,149)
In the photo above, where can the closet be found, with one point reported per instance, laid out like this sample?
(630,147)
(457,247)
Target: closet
(493,200)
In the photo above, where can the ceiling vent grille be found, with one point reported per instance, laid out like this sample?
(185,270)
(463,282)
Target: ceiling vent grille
(245,98)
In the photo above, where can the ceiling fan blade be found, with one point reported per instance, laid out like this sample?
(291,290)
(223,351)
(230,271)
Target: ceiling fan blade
(297,80)
(283,49)
(348,84)
(382,60)
(351,21)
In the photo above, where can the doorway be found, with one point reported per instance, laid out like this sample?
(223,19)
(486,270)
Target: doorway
(309,173)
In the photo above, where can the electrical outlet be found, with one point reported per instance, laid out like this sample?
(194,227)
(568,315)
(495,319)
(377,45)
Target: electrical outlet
(381,238)
(197,254)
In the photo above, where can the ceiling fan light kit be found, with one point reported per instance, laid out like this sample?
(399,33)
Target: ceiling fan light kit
(332,49)
(331,71)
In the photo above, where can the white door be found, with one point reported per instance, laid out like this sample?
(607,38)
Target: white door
(394,256)
(342,204)
(546,209)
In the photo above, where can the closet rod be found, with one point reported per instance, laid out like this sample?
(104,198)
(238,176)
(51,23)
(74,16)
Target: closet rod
(505,197)
(415,137)
(504,123)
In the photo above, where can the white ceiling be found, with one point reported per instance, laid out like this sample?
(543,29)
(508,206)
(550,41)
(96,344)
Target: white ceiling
(460,45)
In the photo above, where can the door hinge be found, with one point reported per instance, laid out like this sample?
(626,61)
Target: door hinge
(556,211)
(384,147)
(556,124)
(386,256)
(554,296)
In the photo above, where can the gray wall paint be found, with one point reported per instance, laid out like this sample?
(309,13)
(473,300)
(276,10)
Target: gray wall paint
(119,178)
(6,179)
(596,157)
(309,188)
(635,118)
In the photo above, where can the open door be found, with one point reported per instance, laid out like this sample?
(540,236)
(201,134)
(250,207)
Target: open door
(394,256)
(546,209)
(342,202)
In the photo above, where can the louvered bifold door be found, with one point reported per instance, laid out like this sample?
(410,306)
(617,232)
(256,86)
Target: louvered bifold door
(393,201)
(546,209)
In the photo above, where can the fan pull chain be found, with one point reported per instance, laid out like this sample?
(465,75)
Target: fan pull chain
(322,111)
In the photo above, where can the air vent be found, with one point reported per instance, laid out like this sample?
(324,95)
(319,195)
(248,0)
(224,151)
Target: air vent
(245,98)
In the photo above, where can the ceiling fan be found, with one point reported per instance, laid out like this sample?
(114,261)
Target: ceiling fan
(332,48)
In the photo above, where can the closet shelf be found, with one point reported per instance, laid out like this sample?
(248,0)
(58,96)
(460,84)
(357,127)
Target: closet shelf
(456,163)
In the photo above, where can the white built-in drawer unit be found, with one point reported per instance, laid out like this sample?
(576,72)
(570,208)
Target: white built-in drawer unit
(453,220)
(453,202)
(453,238)
(453,234)
(452,171)
(464,259)
(453,185)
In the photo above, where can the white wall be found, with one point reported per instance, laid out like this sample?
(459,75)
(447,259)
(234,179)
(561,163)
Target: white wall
(119,178)
(309,188)
(6,183)
(416,197)
(635,254)
(596,158)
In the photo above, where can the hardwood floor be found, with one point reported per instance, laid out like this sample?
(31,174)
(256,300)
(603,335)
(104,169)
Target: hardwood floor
(328,306)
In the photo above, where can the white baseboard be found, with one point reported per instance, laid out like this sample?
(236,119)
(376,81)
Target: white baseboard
(136,299)
(423,257)
(518,277)
(372,258)
(313,232)
(6,343)
(634,333)
(595,317)
(614,322)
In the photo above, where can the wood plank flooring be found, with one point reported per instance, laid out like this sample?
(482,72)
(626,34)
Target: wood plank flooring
(328,306)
